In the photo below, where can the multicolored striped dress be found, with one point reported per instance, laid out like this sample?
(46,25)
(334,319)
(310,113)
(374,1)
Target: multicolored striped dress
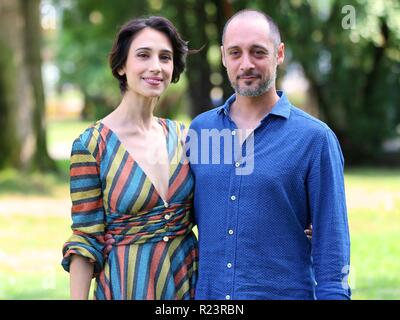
(155,254)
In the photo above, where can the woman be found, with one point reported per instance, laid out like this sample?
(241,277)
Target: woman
(128,180)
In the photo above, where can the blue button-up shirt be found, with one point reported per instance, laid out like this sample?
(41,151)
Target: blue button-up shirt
(251,222)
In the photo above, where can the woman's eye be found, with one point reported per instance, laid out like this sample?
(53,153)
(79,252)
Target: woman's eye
(143,55)
(166,57)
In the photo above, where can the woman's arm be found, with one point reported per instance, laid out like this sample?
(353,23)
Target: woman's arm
(85,246)
(81,274)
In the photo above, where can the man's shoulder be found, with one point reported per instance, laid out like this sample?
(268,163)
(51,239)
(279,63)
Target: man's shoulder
(311,128)
(205,118)
(308,122)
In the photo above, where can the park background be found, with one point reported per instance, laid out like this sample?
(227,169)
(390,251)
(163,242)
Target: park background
(342,65)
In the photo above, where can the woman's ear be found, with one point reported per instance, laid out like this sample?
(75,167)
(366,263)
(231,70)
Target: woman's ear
(121,72)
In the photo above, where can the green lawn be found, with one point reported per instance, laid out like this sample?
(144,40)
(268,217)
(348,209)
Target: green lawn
(34,210)
(64,131)
(373,198)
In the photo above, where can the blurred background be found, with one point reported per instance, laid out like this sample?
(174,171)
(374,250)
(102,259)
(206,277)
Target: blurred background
(342,65)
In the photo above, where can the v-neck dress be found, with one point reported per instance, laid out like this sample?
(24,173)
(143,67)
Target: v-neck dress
(155,254)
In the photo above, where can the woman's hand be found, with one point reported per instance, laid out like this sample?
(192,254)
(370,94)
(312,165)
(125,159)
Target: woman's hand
(110,241)
(308,232)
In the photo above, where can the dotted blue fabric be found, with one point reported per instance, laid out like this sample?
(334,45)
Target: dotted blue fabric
(251,226)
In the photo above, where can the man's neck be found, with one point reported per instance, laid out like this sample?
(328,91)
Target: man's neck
(253,109)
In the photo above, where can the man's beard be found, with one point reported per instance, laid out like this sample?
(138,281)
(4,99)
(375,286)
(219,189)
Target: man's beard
(263,87)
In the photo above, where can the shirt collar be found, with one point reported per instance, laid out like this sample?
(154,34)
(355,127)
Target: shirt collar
(281,108)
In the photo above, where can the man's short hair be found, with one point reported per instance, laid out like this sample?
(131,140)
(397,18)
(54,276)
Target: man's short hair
(273,27)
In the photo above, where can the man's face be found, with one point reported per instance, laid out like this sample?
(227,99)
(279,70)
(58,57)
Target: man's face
(250,57)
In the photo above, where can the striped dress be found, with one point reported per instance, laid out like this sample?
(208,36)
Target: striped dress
(155,254)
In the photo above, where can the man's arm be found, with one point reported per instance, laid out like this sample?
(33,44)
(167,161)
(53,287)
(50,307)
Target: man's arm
(331,240)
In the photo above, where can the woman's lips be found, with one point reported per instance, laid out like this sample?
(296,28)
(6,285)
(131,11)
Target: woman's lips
(154,81)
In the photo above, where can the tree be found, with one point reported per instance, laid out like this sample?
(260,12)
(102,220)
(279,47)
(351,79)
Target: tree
(191,23)
(87,32)
(351,67)
(23,140)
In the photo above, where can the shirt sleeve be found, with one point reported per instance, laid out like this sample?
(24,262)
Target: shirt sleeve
(87,211)
(330,239)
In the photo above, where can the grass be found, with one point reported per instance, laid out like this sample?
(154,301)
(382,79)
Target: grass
(30,262)
(373,199)
(65,131)
(34,210)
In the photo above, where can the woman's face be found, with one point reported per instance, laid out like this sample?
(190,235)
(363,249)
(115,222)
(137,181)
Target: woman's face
(149,65)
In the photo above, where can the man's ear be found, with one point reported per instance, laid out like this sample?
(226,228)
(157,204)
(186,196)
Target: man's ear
(281,53)
(223,56)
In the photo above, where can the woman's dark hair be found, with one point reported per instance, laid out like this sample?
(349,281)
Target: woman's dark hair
(126,34)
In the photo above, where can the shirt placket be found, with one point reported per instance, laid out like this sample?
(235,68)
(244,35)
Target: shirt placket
(231,230)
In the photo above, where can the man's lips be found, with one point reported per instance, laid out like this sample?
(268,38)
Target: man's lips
(249,77)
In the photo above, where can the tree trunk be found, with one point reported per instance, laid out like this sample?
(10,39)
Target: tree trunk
(33,40)
(17,98)
(224,12)
(191,23)
(21,88)
(9,143)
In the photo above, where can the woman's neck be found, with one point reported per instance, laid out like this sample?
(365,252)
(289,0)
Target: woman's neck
(134,112)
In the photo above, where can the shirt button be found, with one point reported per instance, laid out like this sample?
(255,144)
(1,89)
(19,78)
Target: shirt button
(229,265)
(230,231)
(227,297)
(165,204)
(167,217)
(233,198)
(165,239)
(233,132)
(237,164)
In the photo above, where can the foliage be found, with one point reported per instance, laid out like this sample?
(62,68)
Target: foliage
(86,37)
(353,71)
(352,68)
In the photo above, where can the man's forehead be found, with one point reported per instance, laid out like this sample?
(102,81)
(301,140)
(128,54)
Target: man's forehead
(245,32)
(245,26)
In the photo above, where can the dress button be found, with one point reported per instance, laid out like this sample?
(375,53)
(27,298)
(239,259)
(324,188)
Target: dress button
(167,217)
(227,297)
(233,132)
(229,265)
(230,231)
(165,239)
(165,204)
(233,198)
(237,164)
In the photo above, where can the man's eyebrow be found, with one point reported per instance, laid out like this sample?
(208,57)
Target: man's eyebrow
(257,46)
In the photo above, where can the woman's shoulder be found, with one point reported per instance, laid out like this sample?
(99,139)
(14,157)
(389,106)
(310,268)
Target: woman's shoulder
(178,125)
(90,137)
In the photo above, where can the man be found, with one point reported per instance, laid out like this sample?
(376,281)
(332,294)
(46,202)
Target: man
(251,222)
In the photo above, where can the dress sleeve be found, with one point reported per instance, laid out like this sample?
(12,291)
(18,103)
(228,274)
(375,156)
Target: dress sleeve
(88,217)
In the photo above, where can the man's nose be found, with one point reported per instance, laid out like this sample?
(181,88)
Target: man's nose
(246,62)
